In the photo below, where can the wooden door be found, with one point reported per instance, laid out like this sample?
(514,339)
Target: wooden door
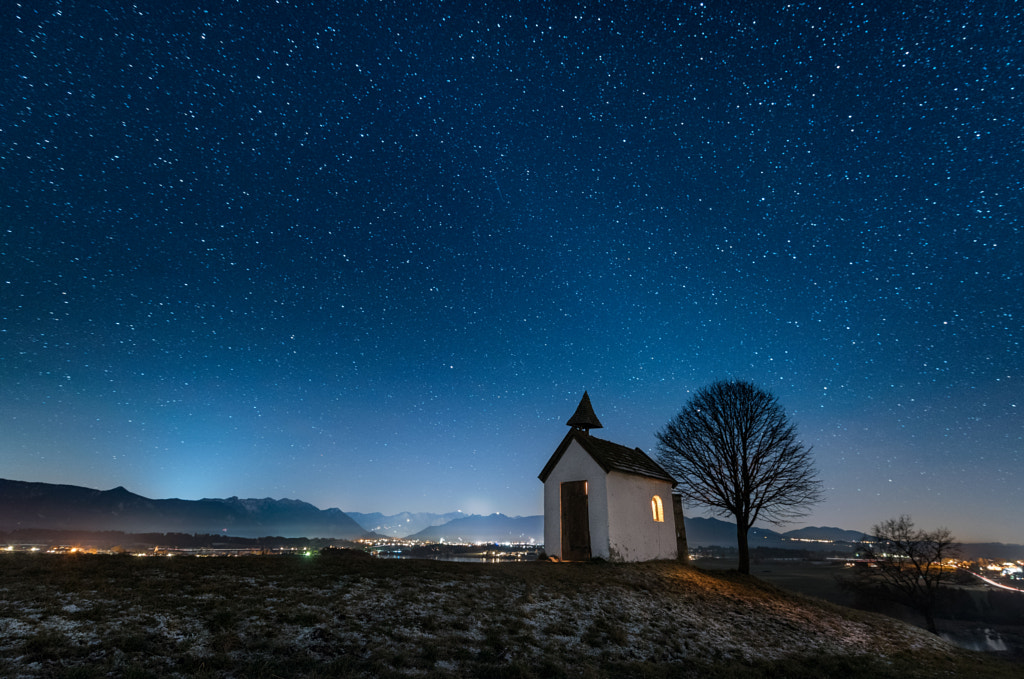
(575,522)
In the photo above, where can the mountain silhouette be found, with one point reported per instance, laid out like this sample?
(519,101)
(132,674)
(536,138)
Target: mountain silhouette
(493,528)
(49,506)
(402,524)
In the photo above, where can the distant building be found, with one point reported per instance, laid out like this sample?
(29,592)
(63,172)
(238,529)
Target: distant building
(605,500)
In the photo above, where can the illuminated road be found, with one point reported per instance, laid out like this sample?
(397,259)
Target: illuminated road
(993,582)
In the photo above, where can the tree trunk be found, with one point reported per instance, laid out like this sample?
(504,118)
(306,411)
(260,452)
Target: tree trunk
(744,548)
(682,550)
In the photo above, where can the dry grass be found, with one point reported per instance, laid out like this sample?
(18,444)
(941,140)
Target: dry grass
(94,616)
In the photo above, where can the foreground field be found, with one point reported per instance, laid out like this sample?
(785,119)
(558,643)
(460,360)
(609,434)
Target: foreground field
(336,616)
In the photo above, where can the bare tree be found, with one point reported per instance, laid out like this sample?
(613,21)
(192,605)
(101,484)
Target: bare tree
(733,449)
(907,565)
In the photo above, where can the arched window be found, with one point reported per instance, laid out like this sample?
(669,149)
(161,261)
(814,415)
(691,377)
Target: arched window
(657,510)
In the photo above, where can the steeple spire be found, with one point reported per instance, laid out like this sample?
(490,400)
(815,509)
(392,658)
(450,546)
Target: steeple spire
(584,418)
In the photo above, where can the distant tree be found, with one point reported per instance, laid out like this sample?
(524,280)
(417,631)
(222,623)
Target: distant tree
(907,565)
(733,449)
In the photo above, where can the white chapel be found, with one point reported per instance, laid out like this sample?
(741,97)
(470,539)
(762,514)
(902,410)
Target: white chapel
(605,500)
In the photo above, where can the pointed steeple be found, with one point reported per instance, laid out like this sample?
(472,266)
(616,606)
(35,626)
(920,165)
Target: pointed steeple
(584,417)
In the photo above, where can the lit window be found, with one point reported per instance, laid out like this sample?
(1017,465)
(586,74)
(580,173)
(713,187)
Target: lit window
(657,510)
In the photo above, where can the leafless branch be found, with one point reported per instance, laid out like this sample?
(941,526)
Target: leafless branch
(734,450)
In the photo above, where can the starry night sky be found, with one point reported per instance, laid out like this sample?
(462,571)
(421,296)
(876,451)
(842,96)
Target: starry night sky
(370,254)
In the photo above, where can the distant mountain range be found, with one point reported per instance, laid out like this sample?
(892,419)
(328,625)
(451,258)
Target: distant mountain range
(459,527)
(816,533)
(59,507)
(405,523)
(708,532)
(62,507)
(27,505)
(454,527)
(701,532)
(493,528)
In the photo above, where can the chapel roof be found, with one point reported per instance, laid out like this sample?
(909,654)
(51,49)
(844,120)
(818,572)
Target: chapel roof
(609,456)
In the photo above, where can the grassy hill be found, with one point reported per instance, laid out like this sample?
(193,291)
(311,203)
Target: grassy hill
(337,616)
